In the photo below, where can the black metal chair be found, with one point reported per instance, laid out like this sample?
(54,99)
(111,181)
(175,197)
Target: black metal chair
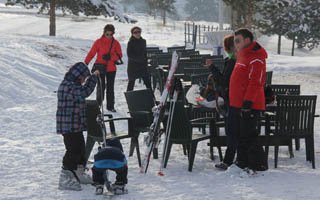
(176,48)
(140,104)
(181,132)
(95,134)
(293,119)
(279,89)
(285,89)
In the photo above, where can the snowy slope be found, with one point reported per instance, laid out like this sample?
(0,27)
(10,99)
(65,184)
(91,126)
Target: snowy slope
(32,65)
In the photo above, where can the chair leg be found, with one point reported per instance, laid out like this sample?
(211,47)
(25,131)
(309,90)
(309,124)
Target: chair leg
(290,148)
(132,146)
(220,153)
(211,153)
(184,149)
(276,152)
(89,146)
(136,144)
(308,152)
(297,143)
(266,149)
(167,154)
(312,153)
(192,154)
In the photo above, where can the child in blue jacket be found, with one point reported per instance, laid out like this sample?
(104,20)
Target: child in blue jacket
(112,158)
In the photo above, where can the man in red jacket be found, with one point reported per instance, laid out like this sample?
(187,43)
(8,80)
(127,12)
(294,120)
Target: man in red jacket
(107,51)
(246,95)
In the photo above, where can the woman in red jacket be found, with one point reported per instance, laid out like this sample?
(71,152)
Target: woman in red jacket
(108,51)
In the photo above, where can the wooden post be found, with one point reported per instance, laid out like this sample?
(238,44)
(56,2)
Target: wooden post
(195,37)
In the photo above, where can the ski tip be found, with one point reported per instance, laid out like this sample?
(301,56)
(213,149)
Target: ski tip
(160,173)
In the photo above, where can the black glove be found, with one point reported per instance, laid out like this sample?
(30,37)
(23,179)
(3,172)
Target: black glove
(246,110)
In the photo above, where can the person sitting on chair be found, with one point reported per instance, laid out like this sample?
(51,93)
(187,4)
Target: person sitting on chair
(112,158)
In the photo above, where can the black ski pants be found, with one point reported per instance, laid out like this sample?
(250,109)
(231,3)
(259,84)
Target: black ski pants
(146,81)
(249,153)
(121,175)
(75,150)
(107,83)
(232,124)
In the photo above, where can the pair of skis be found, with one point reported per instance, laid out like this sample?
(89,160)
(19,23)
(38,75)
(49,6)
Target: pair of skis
(153,138)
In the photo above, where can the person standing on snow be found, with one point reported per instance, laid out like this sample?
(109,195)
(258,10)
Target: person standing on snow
(222,85)
(247,101)
(108,52)
(71,122)
(137,59)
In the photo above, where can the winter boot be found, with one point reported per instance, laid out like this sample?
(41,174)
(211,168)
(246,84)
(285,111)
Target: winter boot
(119,189)
(82,176)
(222,166)
(99,189)
(68,181)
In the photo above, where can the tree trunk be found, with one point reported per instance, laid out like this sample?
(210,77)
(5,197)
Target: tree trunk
(164,17)
(279,44)
(52,26)
(249,15)
(293,44)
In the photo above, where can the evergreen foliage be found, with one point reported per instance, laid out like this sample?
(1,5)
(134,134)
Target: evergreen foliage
(202,10)
(109,8)
(297,19)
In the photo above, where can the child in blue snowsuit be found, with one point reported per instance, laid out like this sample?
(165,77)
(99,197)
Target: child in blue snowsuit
(112,158)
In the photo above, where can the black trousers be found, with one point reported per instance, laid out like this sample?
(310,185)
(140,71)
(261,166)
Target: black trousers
(146,81)
(121,175)
(107,82)
(75,150)
(232,124)
(249,153)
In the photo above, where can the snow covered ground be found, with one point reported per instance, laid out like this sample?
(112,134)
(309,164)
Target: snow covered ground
(32,65)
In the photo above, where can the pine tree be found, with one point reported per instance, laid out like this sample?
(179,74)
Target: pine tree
(202,9)
(164,6)
(306,15)
(243,12)
(295,19)
(275,18)
(109,8)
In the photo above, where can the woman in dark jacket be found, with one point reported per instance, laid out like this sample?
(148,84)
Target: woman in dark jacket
(137,59)
(222,80)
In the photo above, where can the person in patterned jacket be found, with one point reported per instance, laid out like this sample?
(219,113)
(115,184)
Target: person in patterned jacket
(71,122)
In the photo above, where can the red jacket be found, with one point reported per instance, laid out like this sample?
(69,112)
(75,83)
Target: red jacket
(101,47)
(248,77)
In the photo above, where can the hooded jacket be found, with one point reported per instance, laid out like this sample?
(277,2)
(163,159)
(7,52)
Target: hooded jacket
(70,115)
(248,77)
(101,47)
(111,156)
